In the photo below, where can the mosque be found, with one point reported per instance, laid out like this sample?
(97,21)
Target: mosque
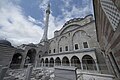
(75,44)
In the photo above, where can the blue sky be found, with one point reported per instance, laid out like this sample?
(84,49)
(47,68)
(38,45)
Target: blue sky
(22,21)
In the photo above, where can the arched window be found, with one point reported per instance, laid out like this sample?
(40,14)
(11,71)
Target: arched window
(63,41)
(57,62)
(75,62)
(88,63)
(65,61)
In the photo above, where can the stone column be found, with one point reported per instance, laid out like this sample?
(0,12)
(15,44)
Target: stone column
(96,65)
(54,63)
(61,63)
(36,64)
(48,63)
(41,64)
(23,61)
(37,59)
(81,65)
(70,63)
(3,72)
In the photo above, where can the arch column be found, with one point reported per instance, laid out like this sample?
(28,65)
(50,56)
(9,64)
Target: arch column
(49,63)
(42,64)
(81,64)
(36,60)
(96,65)
(23,61)
(54,63)
(70,62)
(61,63)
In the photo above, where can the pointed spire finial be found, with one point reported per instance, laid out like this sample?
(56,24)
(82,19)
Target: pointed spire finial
(48,8)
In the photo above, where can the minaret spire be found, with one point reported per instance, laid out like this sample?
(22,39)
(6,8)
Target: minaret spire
(44,38)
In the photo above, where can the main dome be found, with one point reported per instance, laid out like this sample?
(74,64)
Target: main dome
(5,42)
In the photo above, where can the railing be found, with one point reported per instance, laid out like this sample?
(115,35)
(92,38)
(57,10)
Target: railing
(84,67)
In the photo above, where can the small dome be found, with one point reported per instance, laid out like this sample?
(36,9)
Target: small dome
(5,42)
(32,45)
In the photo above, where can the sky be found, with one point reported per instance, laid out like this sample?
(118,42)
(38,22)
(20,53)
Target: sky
(23,21)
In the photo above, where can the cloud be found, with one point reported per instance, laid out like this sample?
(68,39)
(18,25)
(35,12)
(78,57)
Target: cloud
(43,4)
(16,27)
(21,29)
(67,3)
(56,23)
(33,20)
(77,12)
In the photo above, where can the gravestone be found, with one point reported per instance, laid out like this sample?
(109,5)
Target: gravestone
(65,73)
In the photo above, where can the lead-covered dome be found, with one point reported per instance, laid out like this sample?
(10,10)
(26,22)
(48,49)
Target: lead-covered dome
(31,45)
(5,42)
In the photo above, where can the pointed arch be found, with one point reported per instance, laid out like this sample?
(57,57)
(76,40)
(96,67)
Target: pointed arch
(30,57)
(57,62)
(46,62)
(68,27)
(88,62)
(16,61)
(76,38)
(65,61)
(63,41)
(51,62)
(52,46)
(75,62)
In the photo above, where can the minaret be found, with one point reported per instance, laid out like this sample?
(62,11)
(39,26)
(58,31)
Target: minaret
(44,38)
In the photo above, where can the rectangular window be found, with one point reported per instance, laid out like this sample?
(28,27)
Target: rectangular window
(85,44)
(66,48)
(60,49)
(54,50)
(76,46)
